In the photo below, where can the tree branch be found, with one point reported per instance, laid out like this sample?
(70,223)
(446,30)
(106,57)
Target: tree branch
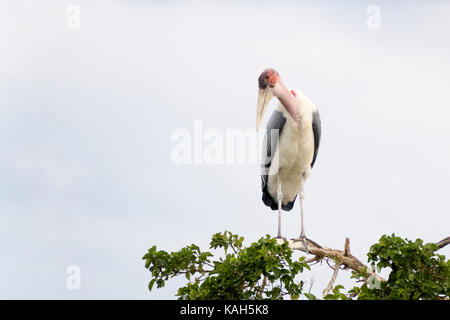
(443,242)
(311,284)
(344,258)
(263,285)
(333,279)
(347,247)
(341,257)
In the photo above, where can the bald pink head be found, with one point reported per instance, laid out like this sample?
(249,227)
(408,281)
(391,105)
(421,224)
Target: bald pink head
(270,85)
(269,77)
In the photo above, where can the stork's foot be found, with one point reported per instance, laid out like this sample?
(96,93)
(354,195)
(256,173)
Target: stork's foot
(305,243)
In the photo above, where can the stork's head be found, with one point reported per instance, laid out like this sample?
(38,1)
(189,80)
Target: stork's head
(267,82)
(271,85)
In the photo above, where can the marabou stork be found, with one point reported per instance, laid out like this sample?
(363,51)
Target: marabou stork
(288,160)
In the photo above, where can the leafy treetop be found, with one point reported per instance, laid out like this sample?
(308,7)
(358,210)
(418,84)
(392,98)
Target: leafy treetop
(267,270)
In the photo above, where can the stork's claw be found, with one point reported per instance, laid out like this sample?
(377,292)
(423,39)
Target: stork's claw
(303,238)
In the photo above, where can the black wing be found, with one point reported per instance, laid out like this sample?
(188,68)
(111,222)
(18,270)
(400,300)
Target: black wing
(317,130)
(276,122)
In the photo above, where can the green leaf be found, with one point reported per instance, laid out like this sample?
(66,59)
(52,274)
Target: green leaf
(310,296)
(150,285)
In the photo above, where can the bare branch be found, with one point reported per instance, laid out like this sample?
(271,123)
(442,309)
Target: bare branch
(344,258)
(263,285)
(333,279)
(320,252)
(347,247)
(443,242)
(313,260)
(311,284)
(328,263)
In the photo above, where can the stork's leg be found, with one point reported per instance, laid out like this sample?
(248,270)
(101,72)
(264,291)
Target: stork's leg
(280,200)
(301,196)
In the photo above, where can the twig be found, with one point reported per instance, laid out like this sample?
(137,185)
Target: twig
(328,263)
(333,279)
(314,259)
(347,247)
(312,282)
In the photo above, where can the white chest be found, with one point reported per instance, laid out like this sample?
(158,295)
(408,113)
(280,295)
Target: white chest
(295,151)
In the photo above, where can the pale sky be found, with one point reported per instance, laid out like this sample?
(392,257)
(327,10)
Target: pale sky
(86,118)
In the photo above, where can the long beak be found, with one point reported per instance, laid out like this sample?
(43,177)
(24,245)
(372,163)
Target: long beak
(264,97)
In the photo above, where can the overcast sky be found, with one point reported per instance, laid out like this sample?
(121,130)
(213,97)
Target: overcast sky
(87,115)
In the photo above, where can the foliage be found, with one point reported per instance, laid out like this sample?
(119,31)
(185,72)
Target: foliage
(416,270)
(263,270)
(337,294)
(266,270)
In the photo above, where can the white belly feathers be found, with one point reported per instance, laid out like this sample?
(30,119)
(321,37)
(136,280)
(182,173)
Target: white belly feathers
(295,152)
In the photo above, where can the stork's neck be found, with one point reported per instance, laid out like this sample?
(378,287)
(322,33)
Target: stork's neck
(288,101)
